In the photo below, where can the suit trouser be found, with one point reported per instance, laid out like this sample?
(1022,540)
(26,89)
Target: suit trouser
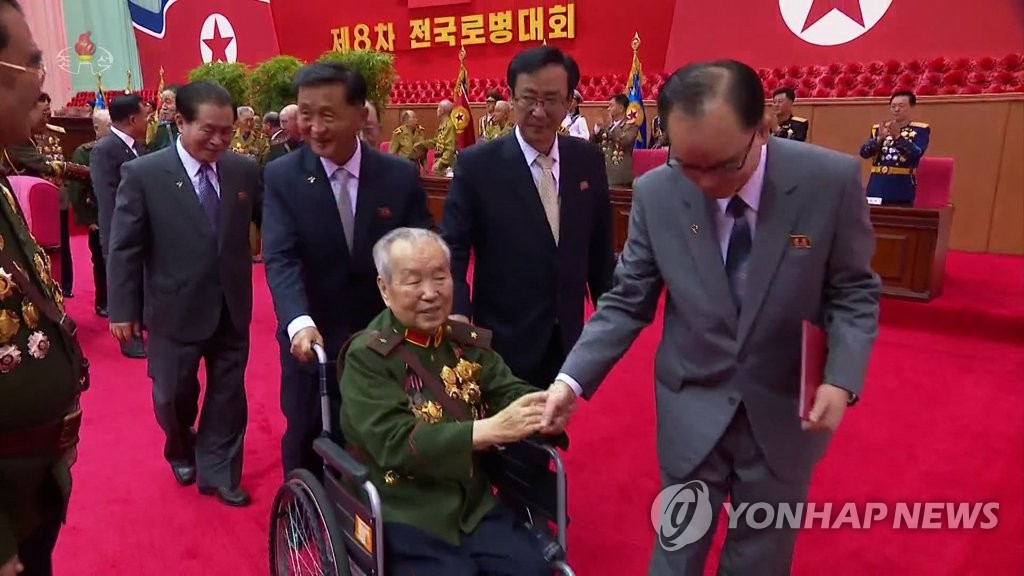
(99,268)
(736,468)
(36,551)
(543,373)
(215,446)
(499,546)
(300,403)
(67,272)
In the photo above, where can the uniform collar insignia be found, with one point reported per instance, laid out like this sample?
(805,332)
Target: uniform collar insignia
(424,340)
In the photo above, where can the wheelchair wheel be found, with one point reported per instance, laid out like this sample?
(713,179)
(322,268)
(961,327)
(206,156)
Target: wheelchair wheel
(304,533)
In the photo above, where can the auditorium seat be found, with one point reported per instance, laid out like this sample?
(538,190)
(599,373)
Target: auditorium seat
(934,182)
(430,161)
(644,160)
(385,146)
(40,201)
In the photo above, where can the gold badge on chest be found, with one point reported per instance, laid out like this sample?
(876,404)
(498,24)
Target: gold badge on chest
(7,285)
(460,383)
(9,326)
(30,314)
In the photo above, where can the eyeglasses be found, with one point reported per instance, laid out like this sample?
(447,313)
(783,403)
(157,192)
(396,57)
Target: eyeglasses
(726,167)
(40,72)
(532,102)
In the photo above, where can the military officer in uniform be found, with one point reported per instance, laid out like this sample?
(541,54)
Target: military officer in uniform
(247,140)
(41,367)
(493,97)
(616,139)
(407,140)
(422,398)
(167,127)
(86,211)
(896,147)
(501,123)
(659,137)
(789,126)
(444,140)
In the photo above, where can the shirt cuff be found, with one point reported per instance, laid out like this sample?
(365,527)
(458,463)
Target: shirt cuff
(571,382)
(299,323)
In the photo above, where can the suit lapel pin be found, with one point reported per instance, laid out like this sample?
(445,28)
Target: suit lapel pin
(694,229)
(799,241)
(584,185)
(179,184)
(311,179)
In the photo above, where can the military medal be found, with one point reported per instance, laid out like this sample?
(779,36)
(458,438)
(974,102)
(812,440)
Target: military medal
(38,345)
(7,285)
(9,326)
(42,269)
(30,314)
(428,411)
(10,357)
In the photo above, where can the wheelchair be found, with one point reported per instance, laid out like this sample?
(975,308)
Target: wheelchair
(335,528)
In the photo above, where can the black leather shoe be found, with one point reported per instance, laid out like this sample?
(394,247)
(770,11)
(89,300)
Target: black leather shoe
(185,474)
(229,496)
(101,311)
(134,349)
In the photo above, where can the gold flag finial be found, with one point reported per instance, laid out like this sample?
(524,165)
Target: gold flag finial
(128,80)
(462,53)
(545,43)
(636,41)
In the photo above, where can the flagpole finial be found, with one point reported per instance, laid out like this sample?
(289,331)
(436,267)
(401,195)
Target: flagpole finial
(545,43)
(462,54)
(636,41)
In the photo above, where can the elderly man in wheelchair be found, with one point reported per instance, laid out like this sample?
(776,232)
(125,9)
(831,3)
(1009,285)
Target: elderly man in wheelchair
(426,405)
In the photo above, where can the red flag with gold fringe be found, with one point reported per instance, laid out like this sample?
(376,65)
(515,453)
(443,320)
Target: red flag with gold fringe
(462,115)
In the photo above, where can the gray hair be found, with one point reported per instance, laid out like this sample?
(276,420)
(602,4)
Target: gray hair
(247,110)
(289,110)
(101,114)
(382,249)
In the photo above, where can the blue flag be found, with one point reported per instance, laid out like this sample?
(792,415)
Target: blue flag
(101,102)
(634,91)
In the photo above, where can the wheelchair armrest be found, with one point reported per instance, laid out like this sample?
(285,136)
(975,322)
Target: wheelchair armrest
(336,458)
(560,441)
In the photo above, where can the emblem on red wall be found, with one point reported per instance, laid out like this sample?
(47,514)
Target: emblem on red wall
(832,22)
(217,41)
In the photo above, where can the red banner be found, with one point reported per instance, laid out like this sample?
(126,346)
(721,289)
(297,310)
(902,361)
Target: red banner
(187,33)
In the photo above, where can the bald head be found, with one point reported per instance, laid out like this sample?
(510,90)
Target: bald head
(101,122)
(502,111)
(289,120)
(444,107)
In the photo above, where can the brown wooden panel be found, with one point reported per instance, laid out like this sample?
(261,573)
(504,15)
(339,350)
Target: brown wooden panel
(1006,233)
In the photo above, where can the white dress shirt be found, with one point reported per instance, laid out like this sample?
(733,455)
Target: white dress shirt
(128,140)
(192,168)
(577,127)
(751,194)
(352,189)
(531,154)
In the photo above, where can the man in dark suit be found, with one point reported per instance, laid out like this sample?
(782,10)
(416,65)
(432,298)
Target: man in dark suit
(750,236)
(123,144)
(325,207)
(181,232)
(533,207)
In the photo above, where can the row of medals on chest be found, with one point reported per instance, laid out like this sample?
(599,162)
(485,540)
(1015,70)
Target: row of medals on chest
(460,384)
(889,152)
(37,345)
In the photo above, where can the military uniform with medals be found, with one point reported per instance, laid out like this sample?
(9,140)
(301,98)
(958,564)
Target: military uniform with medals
(41,376)
(495,130)
(894,162)
(253,145)
(408,144)
(444,147)
(617,144)
(86,213)
(417,446)
(793,128)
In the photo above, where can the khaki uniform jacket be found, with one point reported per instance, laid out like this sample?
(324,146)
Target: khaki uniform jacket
(444,147)
(408,144)
(617,145)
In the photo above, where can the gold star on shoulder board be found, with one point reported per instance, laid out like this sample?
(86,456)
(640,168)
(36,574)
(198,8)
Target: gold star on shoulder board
(473,334)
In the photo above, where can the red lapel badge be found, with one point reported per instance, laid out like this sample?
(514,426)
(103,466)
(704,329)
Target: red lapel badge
(243,196)
(584,185)
(384,212)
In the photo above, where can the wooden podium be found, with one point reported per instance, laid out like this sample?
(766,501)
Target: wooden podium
(910,251)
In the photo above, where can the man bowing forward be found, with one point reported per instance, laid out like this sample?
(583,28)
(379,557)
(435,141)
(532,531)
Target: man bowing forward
(180,231)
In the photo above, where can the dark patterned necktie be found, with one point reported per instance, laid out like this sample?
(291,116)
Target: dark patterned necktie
(208,195)
(740,242)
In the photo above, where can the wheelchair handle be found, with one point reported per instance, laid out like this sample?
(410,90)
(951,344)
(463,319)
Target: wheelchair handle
(321,353)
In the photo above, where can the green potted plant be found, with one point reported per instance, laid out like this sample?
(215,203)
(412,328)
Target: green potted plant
(378,68)
(232,76)
(270,84)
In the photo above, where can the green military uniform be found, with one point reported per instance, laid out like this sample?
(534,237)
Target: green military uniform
(444,147)
(39,386)
(165,134)
(253,145)
(408,144)
(794,128)
(43,157)
(80,194)
(494,130)
(617,145)
(420,455)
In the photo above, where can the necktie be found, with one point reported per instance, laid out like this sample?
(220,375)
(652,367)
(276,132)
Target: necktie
(740,242)
(139,148)
(548,193)
(208,195)
(348,219)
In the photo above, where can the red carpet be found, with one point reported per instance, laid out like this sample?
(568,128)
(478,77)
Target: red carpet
(942,420)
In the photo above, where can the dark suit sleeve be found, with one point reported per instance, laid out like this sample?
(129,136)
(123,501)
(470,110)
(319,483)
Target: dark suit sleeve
(457,228)
(602,253)
(281,251)
(105,173)
(851,290)
(128,232)
(419,214)
(800,130)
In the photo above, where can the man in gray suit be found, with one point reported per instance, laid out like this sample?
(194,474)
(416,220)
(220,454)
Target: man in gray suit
(750,235)
(124,143)
(180,231)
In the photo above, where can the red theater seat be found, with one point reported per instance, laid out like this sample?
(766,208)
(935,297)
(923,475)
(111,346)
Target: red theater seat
(934,182)
(40,201)
(644,160)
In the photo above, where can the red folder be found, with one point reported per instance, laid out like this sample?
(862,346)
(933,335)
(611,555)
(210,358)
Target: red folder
(813,351)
